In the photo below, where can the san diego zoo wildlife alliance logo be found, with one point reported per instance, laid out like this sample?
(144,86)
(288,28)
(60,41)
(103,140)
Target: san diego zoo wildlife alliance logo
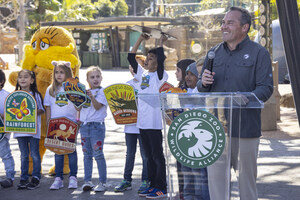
(196,138)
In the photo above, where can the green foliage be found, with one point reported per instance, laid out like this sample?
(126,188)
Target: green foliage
(181,10)
(273,6)
(104,7)
(58,10)
(74,10)
(120,8)
(39,14)
(61,10)
(30,30)
(210,4)
(274,13)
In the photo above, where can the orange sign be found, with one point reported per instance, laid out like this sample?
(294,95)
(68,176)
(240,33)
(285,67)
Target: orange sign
(165,86)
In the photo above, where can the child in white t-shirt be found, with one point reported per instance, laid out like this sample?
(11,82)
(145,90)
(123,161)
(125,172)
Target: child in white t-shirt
(58,106)
(92,131)
(150,119)
(132,135)
(26,81)
(5,152)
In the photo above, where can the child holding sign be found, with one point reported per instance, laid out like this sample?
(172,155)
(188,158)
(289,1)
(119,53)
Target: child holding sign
(92,131)
(57,106)
(150,119)
(26,81)
(5,152)
(132,135)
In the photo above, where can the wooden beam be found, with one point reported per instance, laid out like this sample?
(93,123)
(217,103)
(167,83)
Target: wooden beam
(117,52)
(112,46)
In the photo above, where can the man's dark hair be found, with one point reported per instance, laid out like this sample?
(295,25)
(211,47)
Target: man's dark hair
(245,15)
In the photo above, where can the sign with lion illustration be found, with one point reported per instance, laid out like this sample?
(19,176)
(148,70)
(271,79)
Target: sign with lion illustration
(196,138)
(61,136)
(20,113)
(121,101)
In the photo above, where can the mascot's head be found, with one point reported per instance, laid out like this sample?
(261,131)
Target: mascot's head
(48,44)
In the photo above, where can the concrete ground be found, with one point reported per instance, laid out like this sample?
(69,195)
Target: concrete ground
(278,162)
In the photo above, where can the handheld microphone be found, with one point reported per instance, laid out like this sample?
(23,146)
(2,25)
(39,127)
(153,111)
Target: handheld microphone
(211,55)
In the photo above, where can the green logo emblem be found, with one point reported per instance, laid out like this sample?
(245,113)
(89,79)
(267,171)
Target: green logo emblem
(196,138)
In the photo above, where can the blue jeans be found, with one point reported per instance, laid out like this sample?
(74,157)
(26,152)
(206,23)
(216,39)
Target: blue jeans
(131,141)
(195,183)
(24,144)
(59,164)
(7,159)
(92,141)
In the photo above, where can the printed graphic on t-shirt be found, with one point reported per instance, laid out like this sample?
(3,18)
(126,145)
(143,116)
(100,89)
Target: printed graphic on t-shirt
(2,133)
(61,99)
(145,82)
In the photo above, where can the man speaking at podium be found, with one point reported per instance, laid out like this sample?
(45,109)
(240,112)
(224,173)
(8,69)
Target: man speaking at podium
(239,65)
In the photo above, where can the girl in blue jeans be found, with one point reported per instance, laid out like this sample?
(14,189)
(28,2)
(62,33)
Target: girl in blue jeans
(92,131)
(57,106)
(26,81)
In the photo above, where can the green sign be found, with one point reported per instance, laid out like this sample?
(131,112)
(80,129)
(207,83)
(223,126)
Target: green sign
(196,138)
(20,113)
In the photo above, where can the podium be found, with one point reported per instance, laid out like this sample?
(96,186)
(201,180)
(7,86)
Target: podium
(202,130)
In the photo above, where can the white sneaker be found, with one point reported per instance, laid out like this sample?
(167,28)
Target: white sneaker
(87,186)
(101,187)
(57,184)
(72,182)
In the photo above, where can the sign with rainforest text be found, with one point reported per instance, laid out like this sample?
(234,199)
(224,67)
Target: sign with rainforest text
(20,113)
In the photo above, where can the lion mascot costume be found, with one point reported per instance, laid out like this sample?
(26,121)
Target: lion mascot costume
(48,44)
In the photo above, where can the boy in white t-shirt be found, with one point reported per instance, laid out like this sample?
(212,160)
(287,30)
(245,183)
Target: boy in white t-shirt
(150,119)
(132,135)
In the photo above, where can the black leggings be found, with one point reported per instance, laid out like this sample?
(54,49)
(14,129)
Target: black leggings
(156,163)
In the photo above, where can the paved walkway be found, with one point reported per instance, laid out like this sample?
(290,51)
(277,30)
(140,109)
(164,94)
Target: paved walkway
(278,162)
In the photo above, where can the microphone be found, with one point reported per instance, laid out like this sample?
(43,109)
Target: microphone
(211,55)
